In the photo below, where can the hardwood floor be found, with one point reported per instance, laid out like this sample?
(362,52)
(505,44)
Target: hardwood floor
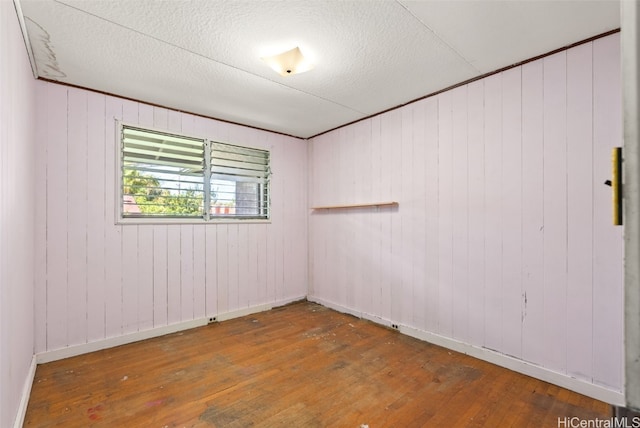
(301,365)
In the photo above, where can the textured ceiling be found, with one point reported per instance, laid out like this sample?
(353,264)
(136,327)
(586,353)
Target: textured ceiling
(203,56)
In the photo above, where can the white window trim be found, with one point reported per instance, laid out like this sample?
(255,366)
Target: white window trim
(121,220)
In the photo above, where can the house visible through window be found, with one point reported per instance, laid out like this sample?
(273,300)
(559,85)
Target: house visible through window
(172,176)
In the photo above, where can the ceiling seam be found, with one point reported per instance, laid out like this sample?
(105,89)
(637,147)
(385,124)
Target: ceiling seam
(208,58)
(435,34)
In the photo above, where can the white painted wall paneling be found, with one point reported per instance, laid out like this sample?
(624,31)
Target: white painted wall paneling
(503,238)
(103,280)
(18,208)
(608,318)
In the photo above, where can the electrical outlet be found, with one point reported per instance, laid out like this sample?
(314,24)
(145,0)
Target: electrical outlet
(395,326)
(212,319)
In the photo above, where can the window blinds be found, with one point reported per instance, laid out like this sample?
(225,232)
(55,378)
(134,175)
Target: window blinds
(168,175)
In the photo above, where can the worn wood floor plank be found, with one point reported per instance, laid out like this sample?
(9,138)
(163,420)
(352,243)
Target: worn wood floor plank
(302,365)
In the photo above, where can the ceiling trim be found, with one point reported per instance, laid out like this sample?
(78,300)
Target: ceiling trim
(473,79)
(97,91)
(466,82)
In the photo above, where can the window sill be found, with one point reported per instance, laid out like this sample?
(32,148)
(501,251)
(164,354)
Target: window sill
(190,221)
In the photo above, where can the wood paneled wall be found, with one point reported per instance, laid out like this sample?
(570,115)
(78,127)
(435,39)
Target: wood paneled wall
(96,279)
(17,214)
(503,237)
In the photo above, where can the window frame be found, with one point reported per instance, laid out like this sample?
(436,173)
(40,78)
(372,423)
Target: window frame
(204,219)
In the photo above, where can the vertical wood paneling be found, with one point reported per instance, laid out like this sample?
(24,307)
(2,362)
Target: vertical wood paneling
(296,232)
(174,279)
(418,296)
(301,225)
(251,275)
(279,196)
(555,210)
(476,211)
(146,271)
(445,214)
(512,212)
(22,212)
(493,211)
(607,240)
(222,253)
(77,216)
(130,251)
(533,343)
(431,216)
(406,193)
(327,250)
(339,246)
(160,277)
(579,211)
(491,241)
(186,272)
(193,126)
(172,121)
(96,268)
(211,271)
(377,165)
(246,247)
(246,287)
(199,272)
(56,200)
(271,258)
(349,257)
(113,232)
(233,258)
(145,278)
(202,127)
(261,249)
(361,222)
(460,216)
(40,230)
(187,259)
(317,251)
(99,279)
(389,242)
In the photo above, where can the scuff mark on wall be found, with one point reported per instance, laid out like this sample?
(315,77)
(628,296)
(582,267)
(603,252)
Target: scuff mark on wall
(43,53)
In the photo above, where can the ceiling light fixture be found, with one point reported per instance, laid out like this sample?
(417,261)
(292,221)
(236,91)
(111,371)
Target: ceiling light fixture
(289,62)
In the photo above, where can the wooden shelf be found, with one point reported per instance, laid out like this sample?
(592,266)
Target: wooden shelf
(373,204)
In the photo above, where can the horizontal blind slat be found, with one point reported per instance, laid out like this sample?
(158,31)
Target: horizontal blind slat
(239,179)
(161,147)
(145,161)
(152,135)
(235,172)
(239,164)
(221,148)
(161,155)
(163,177)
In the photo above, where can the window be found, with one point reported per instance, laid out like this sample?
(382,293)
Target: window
(170,176)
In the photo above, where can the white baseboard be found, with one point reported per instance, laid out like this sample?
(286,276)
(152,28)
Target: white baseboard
(26,394)
(72,351)
(577,385)
(85,348)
